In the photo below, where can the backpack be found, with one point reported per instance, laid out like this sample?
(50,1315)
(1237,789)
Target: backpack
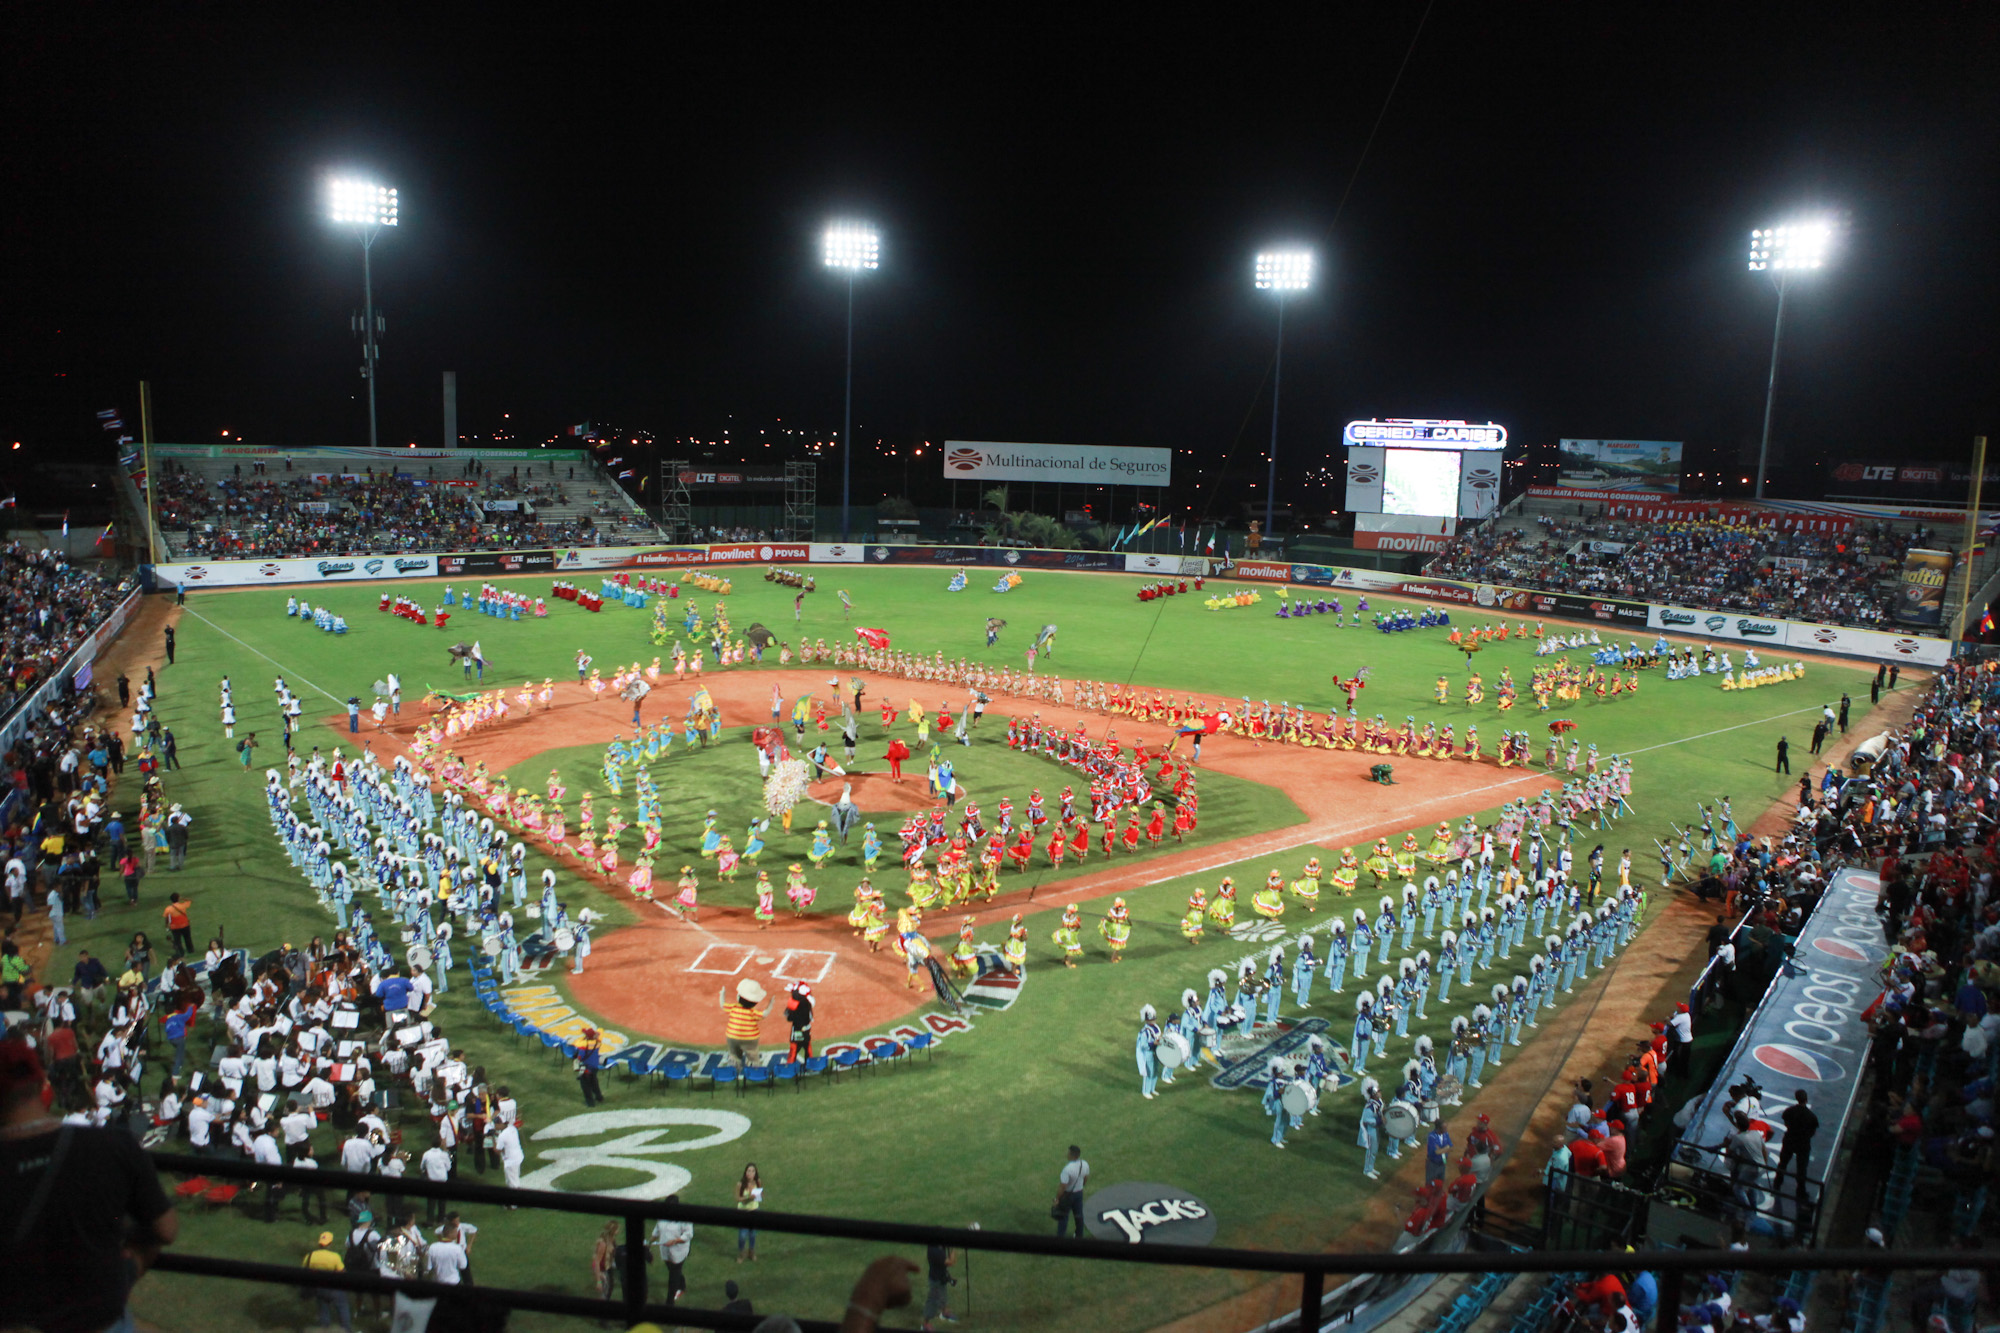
(240,745)
(361,1254)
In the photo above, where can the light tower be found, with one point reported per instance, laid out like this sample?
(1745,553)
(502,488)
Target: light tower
(1782,251)
(367,207)
(1280,272)
(853,248)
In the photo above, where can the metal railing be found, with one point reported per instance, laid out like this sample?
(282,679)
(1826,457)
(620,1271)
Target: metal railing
(1312,1270)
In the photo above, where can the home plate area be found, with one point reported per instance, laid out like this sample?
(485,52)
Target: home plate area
(729,960)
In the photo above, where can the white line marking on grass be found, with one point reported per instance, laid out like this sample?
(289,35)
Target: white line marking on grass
(740,952)
(188,610)
(1776,717)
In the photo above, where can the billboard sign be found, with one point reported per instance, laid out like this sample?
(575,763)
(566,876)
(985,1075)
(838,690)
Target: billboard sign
(712,481)
(497,562)
(1622,465)
(759,552)
(1091,465)
(1409,433)
(1920,596)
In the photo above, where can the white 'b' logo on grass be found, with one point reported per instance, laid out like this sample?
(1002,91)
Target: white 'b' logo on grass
(635,1152)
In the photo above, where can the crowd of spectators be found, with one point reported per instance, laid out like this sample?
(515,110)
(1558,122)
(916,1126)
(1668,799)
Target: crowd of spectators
(1843,579)
(296,508)
(47,608)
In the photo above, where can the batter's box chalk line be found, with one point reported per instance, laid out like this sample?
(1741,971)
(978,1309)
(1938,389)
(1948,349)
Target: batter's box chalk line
(722,960)
(808,965)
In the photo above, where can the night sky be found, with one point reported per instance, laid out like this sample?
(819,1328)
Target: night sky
(620,224)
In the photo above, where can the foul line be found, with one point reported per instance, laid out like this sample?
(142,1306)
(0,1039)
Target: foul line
(1775,717)
(188,610)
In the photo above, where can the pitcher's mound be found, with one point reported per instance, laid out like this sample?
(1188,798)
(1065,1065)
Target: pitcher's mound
(876,792)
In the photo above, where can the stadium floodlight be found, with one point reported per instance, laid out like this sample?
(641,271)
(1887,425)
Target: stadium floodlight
(853,248)
(1781,251)
(368,207)
(1283,272)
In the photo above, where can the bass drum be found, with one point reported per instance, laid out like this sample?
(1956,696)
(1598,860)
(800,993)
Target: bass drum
(1300,1098)
(564,939)
(419,958)
(1174,1050)
(1400,1120)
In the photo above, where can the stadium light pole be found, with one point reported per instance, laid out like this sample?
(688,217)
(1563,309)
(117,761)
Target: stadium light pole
(368,208)
(853,248)
(1781,251)
(1281,272)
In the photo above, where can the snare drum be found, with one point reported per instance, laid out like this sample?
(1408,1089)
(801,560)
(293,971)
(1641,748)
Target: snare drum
(1400,1120)
(1300,1097)
(1174,1050)
(564,939)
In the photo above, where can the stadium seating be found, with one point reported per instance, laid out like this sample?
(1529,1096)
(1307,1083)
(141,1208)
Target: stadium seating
(307,505)
(1845,579)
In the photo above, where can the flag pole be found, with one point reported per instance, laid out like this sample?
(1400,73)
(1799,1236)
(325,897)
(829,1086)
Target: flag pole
(152,489)
(1971,535)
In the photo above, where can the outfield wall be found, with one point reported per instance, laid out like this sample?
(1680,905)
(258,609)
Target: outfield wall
(1634,618)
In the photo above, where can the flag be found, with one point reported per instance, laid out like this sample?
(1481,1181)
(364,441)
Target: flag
(65,523)
(108,419)
(628,472)
(1184,536)
(106,533)
(1211,538)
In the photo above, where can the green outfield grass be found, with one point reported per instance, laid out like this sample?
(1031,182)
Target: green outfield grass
(978,1133)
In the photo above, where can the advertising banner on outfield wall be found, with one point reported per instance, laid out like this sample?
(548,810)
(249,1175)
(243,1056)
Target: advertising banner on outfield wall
(836,553)
(1181,566)
(796,553)
(1632,615)
(249,573)
(498,562)
(1867,643)
(924,555)
(1718,624)
(1093,465)
(1419,534)
(1920,597)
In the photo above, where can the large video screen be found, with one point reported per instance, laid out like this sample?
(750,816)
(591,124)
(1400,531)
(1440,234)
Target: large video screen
(1420,481)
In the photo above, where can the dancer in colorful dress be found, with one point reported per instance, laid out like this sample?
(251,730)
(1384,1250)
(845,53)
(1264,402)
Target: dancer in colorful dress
(1067,936)
(1269,901)
(799,893)
(1116,928)
(686,894)
(766,901)
(1222,911)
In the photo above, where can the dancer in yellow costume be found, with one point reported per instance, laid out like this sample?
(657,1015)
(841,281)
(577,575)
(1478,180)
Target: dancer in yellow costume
(1116,928)
(964,954)
(1269,901)
(1440,849)
(1015,951)
(1406,856)
(923,892)
(1197,914)
(1306,887)
(1222,912)
(1379,863)
(1066,936)
(1348,873)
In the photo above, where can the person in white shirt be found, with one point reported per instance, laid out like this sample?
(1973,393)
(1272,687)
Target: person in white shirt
(358,1153)
(508,1144)
(670,1242)
(201,1123)
(447,1259)
(437,1169)
(297,1125)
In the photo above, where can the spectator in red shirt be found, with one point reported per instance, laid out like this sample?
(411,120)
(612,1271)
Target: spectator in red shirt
(1586,1158)
(1467,1183)
(1603,1293)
